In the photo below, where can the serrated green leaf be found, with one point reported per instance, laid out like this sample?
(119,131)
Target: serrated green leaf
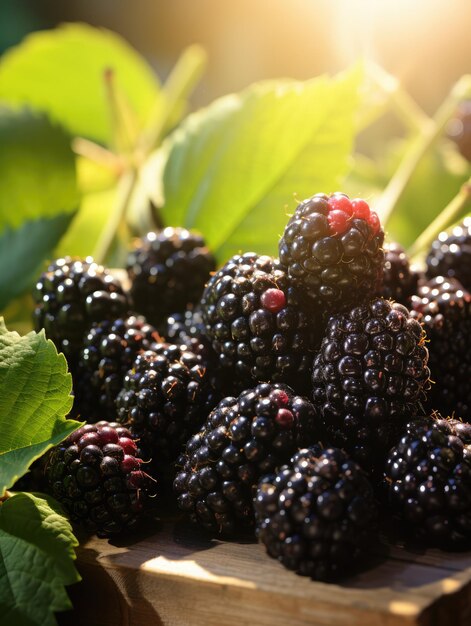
(36,560)
(37,169)
(233,168)
(22,250)
(35,390)
(61,71)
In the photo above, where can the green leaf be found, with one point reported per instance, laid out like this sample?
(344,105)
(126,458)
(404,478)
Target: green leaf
(234,168)
(82,236)
(35,390)
(36,560)
(61,71)
(37,169)
(23,249)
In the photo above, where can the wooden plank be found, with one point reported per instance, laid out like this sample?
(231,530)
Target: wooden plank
(178,577)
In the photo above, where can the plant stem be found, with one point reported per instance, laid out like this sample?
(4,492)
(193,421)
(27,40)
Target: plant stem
(404,105)
(442,221)
(179,84)
(419,147)
(98,154)
(124,194)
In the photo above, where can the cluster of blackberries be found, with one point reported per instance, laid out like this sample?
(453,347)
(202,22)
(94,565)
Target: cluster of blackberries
(286,396)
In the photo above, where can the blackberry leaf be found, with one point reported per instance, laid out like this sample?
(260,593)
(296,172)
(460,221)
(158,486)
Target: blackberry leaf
(34,398)
(36,544)
(246,154)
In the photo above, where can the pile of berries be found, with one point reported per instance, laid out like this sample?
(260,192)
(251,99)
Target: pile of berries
(302,398)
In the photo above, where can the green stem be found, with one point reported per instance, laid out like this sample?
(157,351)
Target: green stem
(451,212)
(419,147)
(180,83)
(124,194)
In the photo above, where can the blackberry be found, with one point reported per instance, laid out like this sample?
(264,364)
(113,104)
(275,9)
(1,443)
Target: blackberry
(450,254)
(166,396)
(444,308)
(369,378)
(459,129)
(242,439)
(332,247)
(188,328)
(254,322)
(168,271)
(72,294)
(400,280)
(96,475)
(317,515)
(428,480)
(109,351)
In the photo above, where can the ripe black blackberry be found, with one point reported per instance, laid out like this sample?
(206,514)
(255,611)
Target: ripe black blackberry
(428,480)
(450,254)
(168,271)
(72,294)
(109,351)
(166,396)
(317,515)
(96,475)
(400,280)
(254,322)
(459,129)
(188,328)
(444,308)
(242,439)
(332,247)
(370,377)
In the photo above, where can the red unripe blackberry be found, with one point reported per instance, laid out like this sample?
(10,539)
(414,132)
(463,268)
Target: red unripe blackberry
(70,296)
(242,439)
(317,514)
(370,377)
(256,327)
(97,477)
(443,306)
(332,248)
(109,350)
(450,254)
(428,481)
(168,271)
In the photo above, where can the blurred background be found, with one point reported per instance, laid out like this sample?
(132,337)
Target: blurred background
(425,43)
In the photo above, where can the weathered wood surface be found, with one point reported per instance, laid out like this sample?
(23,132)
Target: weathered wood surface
(176,577)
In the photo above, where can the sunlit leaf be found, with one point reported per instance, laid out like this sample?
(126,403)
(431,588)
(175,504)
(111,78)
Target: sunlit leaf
(61,71)
(234,168)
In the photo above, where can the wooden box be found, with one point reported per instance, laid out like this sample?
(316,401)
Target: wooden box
(177,577)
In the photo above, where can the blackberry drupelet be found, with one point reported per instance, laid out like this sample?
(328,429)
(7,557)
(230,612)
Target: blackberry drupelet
(332,247)
(109,351)
(450,254)
(400,280)
(370,377)
(317,515)
(242,439)
(96,475)
(255,325)
(428,481)
(166,396)
(168,271)
(444,308)
(70,296)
